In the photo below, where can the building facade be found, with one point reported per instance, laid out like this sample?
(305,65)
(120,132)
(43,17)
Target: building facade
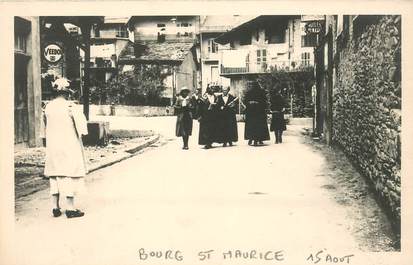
(164,28)
(169,42)
(27,82)
(264,44)
(108,40)
(212,27)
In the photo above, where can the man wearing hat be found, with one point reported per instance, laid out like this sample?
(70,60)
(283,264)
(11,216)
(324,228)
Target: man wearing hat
(183,109)
(65,163)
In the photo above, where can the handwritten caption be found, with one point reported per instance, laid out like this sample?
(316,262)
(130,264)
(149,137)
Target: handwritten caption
(319,257)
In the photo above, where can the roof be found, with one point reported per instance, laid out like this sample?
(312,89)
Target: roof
(252,24)
(154,51)
(133,19)
(116,20)
(222,23)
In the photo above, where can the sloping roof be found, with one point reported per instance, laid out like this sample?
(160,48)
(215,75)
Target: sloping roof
(222,23)
(116,20)
(154,51)
(257,22)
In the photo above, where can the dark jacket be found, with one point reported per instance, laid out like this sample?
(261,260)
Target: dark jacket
(208,125)
(227,121)
(277,119)
(256,127)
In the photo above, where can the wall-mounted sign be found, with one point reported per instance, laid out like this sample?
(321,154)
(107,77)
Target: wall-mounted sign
(53,53)
(313,27)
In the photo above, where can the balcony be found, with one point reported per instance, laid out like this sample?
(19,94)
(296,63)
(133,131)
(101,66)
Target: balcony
(255,68)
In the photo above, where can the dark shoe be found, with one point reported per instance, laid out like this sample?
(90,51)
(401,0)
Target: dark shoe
(207,146)
(185,148)
(230,143)
(74,214)
(249,142)
(57,212)
(224,145)
(260,142)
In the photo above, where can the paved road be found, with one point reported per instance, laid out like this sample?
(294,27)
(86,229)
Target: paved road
(241,197)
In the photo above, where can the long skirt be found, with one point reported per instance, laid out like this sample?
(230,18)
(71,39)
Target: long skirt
(227,128)
(183,124)
(256,127)
(208,128)
(278,122)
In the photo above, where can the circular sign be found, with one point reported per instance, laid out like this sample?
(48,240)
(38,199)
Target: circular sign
(313,27)
(53,53)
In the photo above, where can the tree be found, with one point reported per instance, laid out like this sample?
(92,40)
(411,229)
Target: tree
(142,86)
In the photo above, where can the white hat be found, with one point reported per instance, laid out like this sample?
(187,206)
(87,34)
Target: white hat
(62,84)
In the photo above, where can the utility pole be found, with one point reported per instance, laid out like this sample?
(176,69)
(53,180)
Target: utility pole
(86,27)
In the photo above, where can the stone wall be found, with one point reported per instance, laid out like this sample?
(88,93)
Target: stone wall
(123,110)
(367,103)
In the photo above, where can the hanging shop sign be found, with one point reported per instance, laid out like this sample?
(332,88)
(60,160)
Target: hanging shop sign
(53,53)
(313,27)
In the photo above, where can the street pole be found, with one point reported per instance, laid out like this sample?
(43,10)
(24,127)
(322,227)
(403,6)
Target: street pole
(86,68)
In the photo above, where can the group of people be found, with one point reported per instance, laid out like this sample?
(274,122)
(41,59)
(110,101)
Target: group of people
(217,116)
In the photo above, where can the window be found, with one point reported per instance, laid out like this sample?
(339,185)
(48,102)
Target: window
(261,56)
(212,46)
(185,24)
(305,58)
(309,40)
(122,32)
(20,43)
(161,25)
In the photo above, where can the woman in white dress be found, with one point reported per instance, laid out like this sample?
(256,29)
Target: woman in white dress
(65,163)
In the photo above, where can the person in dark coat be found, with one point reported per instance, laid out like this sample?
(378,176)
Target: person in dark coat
(208,119)
(183,109)
(196,103)
(277,120)
(256,127)
(228,132)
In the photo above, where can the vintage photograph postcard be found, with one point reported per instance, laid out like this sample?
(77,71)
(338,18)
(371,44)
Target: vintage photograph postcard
(206,133)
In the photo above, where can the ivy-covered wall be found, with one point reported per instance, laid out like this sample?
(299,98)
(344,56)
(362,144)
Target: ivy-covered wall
(367,103)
